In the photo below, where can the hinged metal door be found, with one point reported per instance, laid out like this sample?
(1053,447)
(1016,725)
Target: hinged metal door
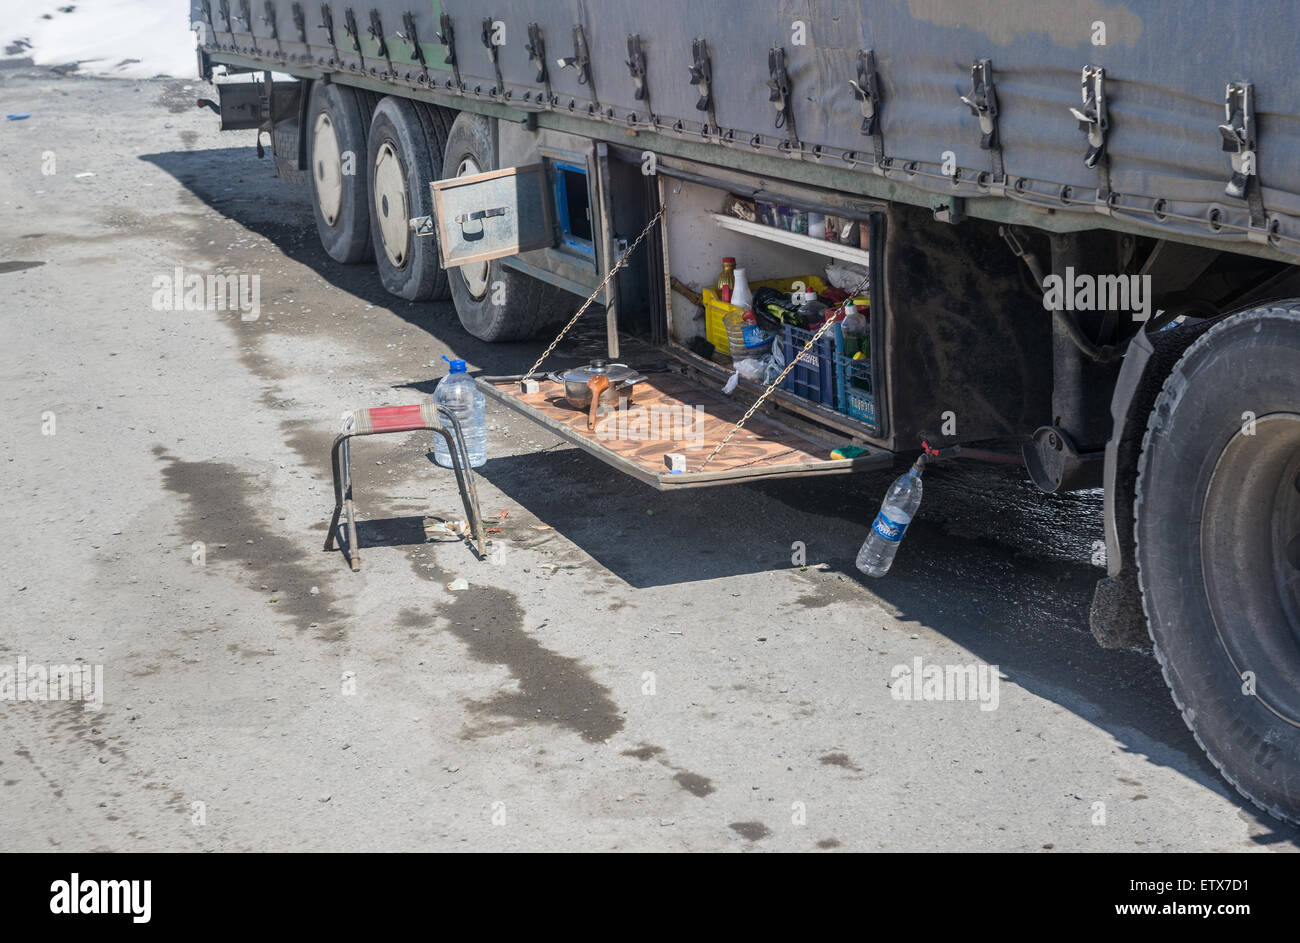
(491,215)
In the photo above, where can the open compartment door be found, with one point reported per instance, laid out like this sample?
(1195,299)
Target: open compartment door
(492,215)
(672,412)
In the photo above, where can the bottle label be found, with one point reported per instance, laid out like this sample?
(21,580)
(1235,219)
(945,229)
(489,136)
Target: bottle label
(887,529)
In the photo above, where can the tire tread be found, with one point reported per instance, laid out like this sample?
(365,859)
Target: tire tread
(1291,311)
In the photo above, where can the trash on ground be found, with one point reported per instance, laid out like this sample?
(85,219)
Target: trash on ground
(442,530)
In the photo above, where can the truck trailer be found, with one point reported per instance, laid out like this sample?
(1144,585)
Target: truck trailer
(1077,225)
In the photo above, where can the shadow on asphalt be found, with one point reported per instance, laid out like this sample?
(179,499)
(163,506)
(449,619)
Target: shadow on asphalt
(990,563)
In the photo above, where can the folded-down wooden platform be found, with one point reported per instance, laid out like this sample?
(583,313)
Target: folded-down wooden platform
(672,413)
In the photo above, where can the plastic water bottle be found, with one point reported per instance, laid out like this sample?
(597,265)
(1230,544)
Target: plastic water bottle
(459,393)
(904,497)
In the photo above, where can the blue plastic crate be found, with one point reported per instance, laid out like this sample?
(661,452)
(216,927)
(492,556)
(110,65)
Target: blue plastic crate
(813,377)
(855,393)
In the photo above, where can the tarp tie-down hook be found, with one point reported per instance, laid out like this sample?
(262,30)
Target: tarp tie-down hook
(1239,135)
(702,79)
(489,36)
(778,84)
(1093,119)
(536,49)
(983,102)
(447,39)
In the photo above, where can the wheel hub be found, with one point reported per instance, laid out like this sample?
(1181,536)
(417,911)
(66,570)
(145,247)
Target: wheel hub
(327,169)
(1250,557)
(474,273)
(391,206)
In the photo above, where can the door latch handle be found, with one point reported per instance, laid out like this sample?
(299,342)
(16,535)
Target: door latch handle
(477,216)
(464,218)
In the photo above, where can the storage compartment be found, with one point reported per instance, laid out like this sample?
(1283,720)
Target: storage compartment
(787,246)
(662,415)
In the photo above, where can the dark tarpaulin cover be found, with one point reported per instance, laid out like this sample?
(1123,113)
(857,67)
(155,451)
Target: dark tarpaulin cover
(1166,67)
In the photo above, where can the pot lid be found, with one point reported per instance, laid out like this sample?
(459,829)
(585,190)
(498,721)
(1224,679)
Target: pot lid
(615,372)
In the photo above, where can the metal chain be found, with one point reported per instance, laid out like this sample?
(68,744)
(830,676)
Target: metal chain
(788,367)
(599,288)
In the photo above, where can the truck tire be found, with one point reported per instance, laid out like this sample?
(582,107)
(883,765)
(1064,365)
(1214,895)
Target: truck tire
(337,120)
(494,302)
(1217,528)
(404,151)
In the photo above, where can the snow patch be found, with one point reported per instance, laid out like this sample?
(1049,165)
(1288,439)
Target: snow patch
(126,38)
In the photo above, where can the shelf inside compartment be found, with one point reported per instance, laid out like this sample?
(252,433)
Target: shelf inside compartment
(673,413)
(793,240)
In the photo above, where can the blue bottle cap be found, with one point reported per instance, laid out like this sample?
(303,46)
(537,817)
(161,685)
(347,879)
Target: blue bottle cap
(457,366)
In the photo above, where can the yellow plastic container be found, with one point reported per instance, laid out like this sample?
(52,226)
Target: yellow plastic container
(715,309)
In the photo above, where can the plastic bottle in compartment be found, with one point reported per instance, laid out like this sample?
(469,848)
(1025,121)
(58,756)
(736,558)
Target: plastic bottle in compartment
(854,327)
(727,280)
(741,296)
(811,310)
(744,335)
(459,393)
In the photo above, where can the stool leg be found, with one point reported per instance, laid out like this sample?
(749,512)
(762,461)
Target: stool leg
(354,554)
(339,442)
(464,473)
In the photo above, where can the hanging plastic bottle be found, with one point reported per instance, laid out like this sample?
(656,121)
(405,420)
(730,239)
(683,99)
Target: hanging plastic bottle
(459,393)
(896,512)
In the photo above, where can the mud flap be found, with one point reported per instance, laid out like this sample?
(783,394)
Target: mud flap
(1116,617)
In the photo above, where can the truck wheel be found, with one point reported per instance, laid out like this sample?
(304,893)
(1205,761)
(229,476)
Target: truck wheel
(1217,525)
(337,119)
(405,154)
(494,302)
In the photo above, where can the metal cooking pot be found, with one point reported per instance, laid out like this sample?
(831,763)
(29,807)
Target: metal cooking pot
(620,376)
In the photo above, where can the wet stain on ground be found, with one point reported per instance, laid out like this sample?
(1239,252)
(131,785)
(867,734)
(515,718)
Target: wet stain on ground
(220,511)
(74,724)
(694,783)
(235,649)
(412,619)
(839,759)
(17,266)
(311,444)
(176,99)
(697,785)
(553,688)
(815,600)
(750,831)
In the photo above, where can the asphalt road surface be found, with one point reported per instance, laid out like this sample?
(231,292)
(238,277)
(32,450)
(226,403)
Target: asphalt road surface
(629,670)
